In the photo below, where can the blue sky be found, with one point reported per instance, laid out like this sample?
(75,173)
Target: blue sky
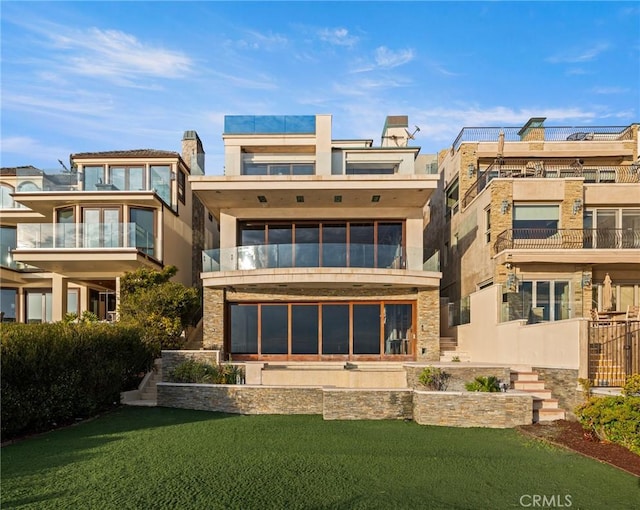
(93,76)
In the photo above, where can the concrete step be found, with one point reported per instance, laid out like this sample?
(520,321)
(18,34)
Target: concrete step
(545,403)
(448,356)
(528,385)
(543,394)
(447,343)
(549,415)
(524,376)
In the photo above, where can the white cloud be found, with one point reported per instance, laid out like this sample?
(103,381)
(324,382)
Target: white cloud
(387,58)
(27,149)
(255,40)
(610,90)
(337,36)
(577,55)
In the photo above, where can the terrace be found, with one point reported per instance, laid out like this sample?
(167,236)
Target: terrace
(551,169)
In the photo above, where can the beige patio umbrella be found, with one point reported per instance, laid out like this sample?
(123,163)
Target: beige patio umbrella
(606,293)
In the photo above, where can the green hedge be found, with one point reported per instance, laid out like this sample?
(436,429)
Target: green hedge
(55,373)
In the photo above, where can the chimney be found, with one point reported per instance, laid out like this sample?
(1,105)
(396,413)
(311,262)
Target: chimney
(394,133)
(193,153)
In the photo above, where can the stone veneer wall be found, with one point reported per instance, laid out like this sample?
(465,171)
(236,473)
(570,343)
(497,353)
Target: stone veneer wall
(367,404)
(213,319)
(472,409)
(241,399)
(452,409)
(563,383)
(171,359)
(460,374)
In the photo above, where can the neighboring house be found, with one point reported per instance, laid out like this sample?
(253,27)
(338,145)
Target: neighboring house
(68,236)
(321,245)
(532,222)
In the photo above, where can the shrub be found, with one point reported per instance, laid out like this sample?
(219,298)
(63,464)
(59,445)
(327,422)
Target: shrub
(192,371)
(632,386)
(54,373)
(434,379)
(615,419)
(489,384)
(162,309)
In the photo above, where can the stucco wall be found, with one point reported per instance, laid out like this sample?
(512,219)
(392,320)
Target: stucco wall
(550,344)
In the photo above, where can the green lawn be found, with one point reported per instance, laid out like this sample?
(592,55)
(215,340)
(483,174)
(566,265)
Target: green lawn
(152,458)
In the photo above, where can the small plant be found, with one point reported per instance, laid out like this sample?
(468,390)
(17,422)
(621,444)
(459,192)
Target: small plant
(489,384)
(434,379)
(631,387)
(192,371)
(455,359)
(586,387)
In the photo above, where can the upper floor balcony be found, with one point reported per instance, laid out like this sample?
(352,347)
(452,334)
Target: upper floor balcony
(556,245)
(320,263)
(83,248)
(269,124)
(28,183)
(534,130)
(551,169)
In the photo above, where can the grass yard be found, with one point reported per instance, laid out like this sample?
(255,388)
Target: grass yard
(153,458)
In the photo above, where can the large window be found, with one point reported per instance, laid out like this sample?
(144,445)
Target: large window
(321,329)
(129,178)
(102,227)
(6,200)
(278,169)
(612,228)
(535,221)
(93,177)
(538,301)
(39,306)
(452,200)
(312,244)
(8,242)
(161,182)
(142,235)
(8,301)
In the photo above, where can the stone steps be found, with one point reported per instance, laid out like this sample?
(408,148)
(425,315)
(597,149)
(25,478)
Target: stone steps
(545,408)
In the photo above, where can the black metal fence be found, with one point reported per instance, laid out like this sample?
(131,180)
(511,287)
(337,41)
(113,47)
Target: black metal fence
(614,351)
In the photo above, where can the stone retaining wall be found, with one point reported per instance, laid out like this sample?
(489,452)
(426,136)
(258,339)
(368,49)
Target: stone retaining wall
(472,409)
(563,383)
(453,409)
(241,399)
(367,404)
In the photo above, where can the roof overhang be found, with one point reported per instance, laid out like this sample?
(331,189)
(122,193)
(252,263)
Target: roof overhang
(101,263)
(352,191)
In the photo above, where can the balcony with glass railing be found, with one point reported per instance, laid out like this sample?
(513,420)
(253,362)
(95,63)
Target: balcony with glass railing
(551,169)
(84,236)
(156,178)
(326,255)
(555,239)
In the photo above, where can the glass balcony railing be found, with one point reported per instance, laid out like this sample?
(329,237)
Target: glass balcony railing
(269,124)
(278,256)
(41,236)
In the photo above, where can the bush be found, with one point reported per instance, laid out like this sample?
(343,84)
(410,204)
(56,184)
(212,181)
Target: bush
(162,309)
(192,371)
(615,419)
(434,379)
(489,384)
(631,387)
(55,373)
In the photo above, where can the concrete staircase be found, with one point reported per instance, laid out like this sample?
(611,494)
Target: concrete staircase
(545,408)
(449,350)
(147,393)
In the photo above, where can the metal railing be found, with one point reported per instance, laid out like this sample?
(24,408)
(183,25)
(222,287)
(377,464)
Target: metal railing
(551,170)
(40,236)
(571,238)
(276,256)
(541,133)
(614,351)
